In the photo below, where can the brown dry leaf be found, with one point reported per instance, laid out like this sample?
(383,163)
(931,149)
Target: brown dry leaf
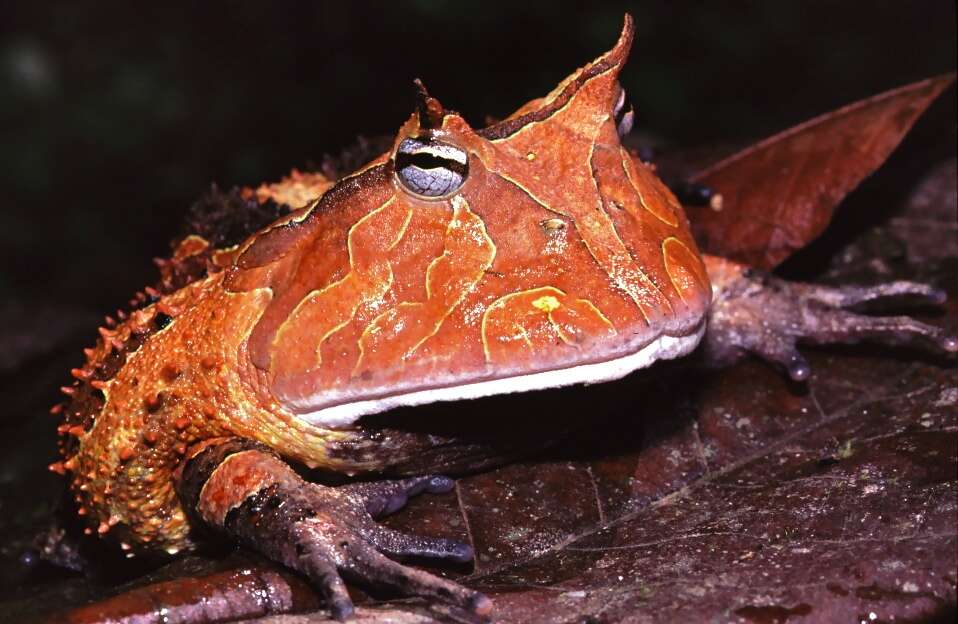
(779,194)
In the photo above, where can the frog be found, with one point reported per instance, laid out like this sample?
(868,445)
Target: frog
(537,252)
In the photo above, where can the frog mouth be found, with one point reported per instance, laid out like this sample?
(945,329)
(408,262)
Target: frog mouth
(664,347)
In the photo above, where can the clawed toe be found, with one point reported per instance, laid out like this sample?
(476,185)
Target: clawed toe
(848,296)
(754,312)
(330,553)
(835,326)
(323,572)
(400,545)
(327,533)
(779,349)
(382,498)
(361,550)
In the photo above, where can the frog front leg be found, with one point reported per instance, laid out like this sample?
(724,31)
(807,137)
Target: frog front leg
(240,488)
(755,312)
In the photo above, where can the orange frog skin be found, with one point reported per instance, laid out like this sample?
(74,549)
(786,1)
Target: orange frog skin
(534,253)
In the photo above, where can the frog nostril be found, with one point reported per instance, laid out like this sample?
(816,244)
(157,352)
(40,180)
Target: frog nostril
(552,227)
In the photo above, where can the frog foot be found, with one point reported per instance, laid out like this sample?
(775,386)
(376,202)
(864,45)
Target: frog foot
(325,533)
(755,312)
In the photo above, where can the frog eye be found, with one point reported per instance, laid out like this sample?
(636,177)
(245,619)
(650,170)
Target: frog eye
(429,168)
(623,114)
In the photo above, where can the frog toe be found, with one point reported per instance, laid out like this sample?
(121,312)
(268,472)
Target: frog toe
(322,571)
(843,326)
(368,565)
(847,296)
(785,354)
(402,545)
(244,490)
(386,497)
(757,313)
(328,552)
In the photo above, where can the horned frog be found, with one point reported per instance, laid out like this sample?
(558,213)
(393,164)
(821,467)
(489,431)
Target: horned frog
(534,253)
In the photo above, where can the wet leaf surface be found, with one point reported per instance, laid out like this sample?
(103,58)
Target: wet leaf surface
(779,194)
(832,504)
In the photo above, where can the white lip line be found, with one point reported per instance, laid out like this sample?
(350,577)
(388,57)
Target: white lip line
(662,348)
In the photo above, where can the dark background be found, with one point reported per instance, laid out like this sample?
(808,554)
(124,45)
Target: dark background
(115,116)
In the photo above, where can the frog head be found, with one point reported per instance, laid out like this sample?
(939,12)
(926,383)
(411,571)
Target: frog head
(533,253)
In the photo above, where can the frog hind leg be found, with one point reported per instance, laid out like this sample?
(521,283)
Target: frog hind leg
(240,488)
(756,313)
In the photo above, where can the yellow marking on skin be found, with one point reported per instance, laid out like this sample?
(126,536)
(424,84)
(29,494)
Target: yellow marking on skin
(598,313)
(296,216)
(371,164)
(279,428)
(332,307)
(556,92)
(624,270)
(350,242)
(563,336)
(546,304)
(522,188)
(534,124)
(557,112)
(519,314)
(502,303)
(313,296)
(300,214)
(570,340)
(614,266)
(580,200)
(680,270)
(524,335)
(629,167)
(401,330)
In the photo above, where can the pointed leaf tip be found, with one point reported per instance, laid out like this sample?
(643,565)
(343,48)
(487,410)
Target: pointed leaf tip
(780,193)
